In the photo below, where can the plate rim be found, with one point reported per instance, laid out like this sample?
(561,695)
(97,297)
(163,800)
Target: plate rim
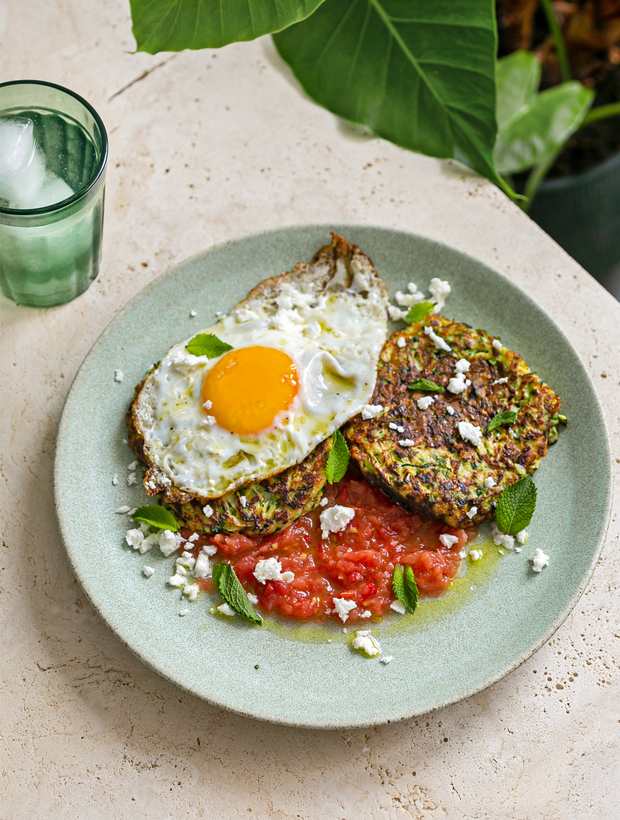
(117,627)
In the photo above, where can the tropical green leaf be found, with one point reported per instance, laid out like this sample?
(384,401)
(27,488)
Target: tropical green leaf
(173,25)
(533,126)
(420,73)
(518,78)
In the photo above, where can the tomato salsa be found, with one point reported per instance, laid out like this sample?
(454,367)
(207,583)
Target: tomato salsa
(355,564)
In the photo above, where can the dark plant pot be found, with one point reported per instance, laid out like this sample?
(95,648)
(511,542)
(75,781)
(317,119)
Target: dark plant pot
(582,214)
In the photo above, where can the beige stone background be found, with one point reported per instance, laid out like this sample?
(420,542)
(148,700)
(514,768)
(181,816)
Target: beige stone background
(205,146)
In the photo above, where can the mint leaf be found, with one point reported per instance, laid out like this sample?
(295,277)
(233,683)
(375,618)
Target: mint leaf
(419,311)
(206,344)
(338,459)
(516,506)
(157,516)
(507,417)
(425,384)
(229,587)
(405,587)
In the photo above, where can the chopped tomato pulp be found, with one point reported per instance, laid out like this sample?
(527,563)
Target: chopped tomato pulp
(356,563)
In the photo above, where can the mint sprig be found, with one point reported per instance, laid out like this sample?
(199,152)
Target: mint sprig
(516,506)
(405,587)
(206,344)
(338,459)
(507,417)
(419,311)
(156,516)
(425,384)
(229,587)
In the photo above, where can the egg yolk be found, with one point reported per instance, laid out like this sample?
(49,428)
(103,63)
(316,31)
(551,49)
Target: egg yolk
(248,387)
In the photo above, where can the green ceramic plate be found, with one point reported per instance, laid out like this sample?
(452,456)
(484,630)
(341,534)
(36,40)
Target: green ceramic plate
(449,649)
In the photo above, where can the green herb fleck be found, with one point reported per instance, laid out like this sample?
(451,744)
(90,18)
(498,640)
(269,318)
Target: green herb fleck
(206,344)
(516,506)
(338,459)
(507,417)
(157,516)
(229,587)
(405,587)
(419,311)
(425,384)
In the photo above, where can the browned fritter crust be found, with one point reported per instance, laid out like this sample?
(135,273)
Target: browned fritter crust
(441,475)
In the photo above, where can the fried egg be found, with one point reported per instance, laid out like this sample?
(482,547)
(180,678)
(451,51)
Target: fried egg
(305,347)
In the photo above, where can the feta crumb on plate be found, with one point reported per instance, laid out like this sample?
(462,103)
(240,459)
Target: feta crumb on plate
(401,341)
(497,344)
(489,482)
(475,555)
(502,539)
(207,510)
(386,659)
(226,610)
(439,343)
(183,612)
(471,512)
(364,640)
(270,569)
(122,510)
(371,411)
(539,560)
(470,432)
(147,571)
(132,478)
(118,376)
(407,442)
(399,607)
(425,402)
(169,542)
(448,540)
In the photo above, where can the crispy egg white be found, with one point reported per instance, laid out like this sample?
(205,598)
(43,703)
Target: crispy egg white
(303,361)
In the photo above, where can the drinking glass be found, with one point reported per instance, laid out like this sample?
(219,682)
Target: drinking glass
(49,253)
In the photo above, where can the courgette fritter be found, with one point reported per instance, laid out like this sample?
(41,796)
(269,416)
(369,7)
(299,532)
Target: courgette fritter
(418,457)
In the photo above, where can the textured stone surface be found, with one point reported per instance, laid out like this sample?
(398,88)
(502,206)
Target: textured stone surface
(206,146)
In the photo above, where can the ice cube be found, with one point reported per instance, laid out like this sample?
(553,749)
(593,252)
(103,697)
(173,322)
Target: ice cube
(22,163)
(54,189)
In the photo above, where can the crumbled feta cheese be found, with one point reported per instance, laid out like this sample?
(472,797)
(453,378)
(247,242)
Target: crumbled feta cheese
(177,580)
(497,344)
(183,612)
(475,555)
(202,567)
(448,540)
(449,410)
(425,402)
(246,315)
(458,383)
(401,341)
(335,519)
(253,599)
(501,539)
(462,366)
(270,569)
(343,607)
(218,313)
(408,299)
(169,542)
(209,549)
(407,442)
(399,607)
(187,560)
(191,591)
(142,525)
(522,537)
(115,479)
(364,640)
(471,512)
(500,381)
(208,421)
(123,510)
(193,537)
(470,432)
(181,570)
(133,465)
(396,314)
(489,482)
(208,404)
(371,411)
(439,343)
(118,376)
(132,478)
(149,542)
(226,610)
(386,659)
(366,614)
(539,560)
(323,502)
(439,289)
(134,538)
(147,571)
(517,549)
(193,313)
(207,510)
